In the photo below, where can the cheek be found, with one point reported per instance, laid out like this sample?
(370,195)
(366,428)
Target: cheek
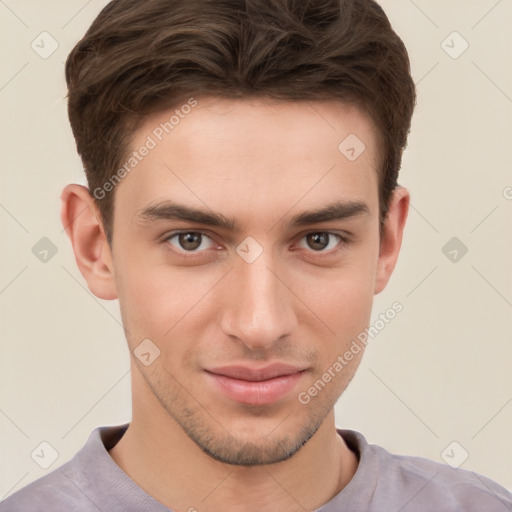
(346,310)
(157,300)
(341,302)
(342,297)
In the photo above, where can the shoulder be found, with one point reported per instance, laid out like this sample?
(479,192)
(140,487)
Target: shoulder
(439,485)
(79,484)
(420,484)
(56,491)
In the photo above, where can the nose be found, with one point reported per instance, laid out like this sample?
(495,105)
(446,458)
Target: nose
(258,307)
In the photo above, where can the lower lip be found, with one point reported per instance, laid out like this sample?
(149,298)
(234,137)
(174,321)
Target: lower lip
(256,393)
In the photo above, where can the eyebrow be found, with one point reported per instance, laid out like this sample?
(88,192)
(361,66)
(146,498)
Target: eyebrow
(170,210)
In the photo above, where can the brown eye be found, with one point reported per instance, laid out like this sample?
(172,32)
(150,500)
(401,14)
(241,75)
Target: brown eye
(190,241)
(318,241)
(323,242)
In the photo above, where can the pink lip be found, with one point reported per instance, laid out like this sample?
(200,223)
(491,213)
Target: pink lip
(256,386)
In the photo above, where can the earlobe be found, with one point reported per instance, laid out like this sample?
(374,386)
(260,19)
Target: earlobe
(81,220)
(391,240)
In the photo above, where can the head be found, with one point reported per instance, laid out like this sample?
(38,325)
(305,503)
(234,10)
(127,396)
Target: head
(242,162)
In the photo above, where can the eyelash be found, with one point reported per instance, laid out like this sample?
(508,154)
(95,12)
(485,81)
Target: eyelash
(343,242)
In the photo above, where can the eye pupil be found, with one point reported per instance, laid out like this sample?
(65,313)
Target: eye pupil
(319,240)
(190,241)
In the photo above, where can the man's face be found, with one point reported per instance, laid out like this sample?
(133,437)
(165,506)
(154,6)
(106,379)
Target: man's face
(226,306)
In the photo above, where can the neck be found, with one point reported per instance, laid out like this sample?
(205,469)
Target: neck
(159,456)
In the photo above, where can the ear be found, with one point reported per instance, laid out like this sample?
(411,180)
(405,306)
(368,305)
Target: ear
(391,239)
(82,222)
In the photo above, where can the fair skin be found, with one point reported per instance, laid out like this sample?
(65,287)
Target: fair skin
(191,444)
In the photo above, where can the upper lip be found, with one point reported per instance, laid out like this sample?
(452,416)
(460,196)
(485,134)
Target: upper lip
(256,374)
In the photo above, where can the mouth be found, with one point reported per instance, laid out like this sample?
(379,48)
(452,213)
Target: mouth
(256,386)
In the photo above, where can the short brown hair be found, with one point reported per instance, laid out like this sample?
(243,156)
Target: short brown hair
(143,56)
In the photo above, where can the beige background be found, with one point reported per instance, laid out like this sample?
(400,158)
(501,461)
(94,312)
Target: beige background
(438,373)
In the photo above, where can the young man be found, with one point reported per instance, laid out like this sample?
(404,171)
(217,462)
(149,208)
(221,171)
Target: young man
(243,206)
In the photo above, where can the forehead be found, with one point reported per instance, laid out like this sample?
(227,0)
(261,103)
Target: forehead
(259,155)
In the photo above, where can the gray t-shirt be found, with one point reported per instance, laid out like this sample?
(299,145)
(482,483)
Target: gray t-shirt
(91,481)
